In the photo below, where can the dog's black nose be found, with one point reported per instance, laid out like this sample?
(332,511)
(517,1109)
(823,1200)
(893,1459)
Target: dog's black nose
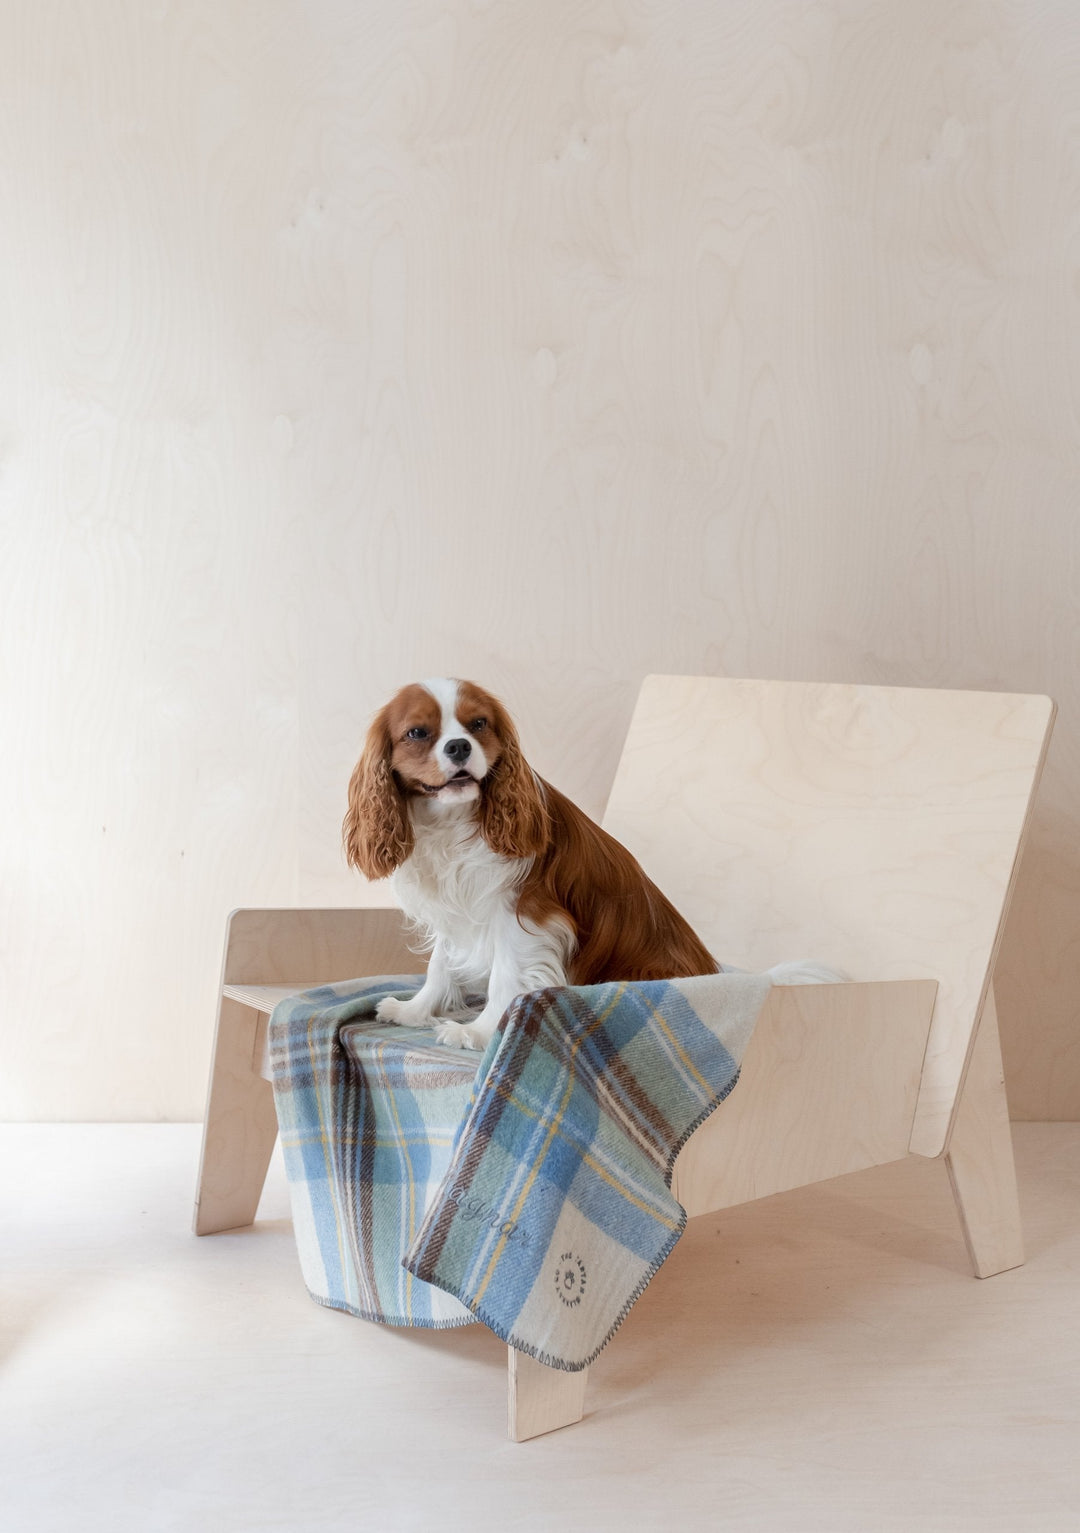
(458,751)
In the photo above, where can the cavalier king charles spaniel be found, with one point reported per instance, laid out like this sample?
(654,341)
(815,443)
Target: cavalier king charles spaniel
(512,886)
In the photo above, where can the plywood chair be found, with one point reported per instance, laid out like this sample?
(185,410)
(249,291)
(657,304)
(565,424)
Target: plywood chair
(876,829)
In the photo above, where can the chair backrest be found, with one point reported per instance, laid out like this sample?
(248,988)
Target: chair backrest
(877,829)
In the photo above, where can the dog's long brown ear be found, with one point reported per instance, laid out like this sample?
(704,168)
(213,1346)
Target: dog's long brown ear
(514,819)
(376,830)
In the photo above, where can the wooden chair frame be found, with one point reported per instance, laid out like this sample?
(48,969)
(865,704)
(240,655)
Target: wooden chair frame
(743,800)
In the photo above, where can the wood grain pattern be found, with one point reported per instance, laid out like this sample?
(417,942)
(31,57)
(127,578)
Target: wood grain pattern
(829,1085)
(240,1127)
(541,1399)
(874,829)
(552,343)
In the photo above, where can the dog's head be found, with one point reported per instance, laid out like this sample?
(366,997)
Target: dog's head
(444,743)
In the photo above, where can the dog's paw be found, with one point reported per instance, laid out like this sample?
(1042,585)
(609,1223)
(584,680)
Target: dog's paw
(461,1035)
(453,1035)
(400,1013)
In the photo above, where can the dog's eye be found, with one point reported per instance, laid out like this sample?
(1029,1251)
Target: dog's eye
(477,725)
(417,732)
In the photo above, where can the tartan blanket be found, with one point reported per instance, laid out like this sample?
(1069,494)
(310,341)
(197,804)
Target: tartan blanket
(528,1187)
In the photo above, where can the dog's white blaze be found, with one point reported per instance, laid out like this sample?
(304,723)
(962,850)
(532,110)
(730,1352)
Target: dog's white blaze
(444,689)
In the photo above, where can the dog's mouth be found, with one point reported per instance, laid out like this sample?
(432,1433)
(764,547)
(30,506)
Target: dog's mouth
(460,779)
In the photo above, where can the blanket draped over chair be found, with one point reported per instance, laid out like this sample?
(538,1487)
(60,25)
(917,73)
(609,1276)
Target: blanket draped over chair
(527,1187)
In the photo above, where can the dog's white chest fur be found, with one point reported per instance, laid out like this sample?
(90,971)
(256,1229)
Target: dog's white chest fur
(454,887)
(463,899)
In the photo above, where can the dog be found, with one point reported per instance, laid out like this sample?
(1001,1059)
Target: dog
(511,885)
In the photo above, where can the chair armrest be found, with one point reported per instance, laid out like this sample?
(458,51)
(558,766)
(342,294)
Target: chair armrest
(286,947)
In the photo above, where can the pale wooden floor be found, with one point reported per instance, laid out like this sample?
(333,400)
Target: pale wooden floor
(818,1361)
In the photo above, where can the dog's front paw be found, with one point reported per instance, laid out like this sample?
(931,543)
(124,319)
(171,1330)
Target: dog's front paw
(400,1013)
(452,1034)
(459,1035)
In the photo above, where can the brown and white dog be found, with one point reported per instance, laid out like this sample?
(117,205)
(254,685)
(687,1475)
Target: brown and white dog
(512,886)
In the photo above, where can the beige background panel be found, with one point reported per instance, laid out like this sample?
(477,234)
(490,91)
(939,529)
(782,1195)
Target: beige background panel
(550,343)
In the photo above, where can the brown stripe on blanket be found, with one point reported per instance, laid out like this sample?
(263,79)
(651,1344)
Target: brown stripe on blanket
(616,1085)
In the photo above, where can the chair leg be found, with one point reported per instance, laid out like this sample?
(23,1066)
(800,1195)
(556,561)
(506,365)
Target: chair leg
(541,1399)
(240,1126)
(979,1157)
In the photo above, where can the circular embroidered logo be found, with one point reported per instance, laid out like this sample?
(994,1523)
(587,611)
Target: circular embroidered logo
(570,1279)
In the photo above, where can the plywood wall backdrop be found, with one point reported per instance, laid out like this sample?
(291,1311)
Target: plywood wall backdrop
(549,342)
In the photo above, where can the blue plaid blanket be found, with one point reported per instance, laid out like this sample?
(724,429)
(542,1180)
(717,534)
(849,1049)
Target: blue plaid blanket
(528,1187)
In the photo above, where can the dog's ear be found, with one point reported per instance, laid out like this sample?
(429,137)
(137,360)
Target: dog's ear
(514,820)
(376,830)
